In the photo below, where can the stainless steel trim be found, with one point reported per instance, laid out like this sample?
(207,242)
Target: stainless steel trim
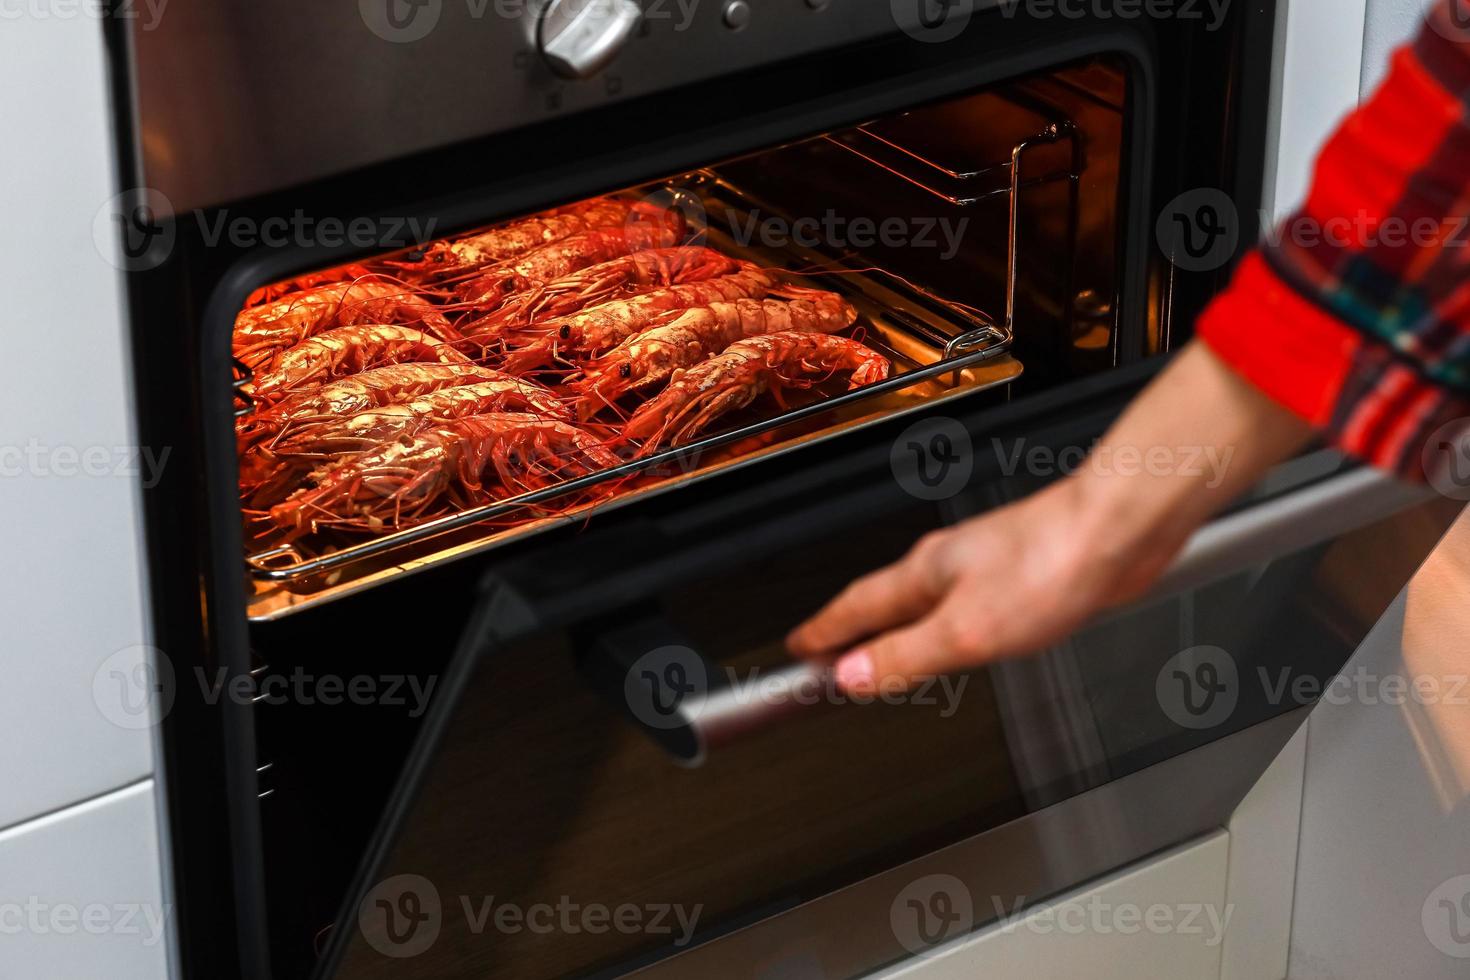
(290,92)
(1290,523)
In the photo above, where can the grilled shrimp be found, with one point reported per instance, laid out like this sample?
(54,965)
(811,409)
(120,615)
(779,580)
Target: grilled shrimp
(682,339)
(403,479)
(373,388)
(601,328)
(347,350)
(449,258)
(276,290)
(408,418)
(550,262)
(697,396)
(635,272)
(261,332)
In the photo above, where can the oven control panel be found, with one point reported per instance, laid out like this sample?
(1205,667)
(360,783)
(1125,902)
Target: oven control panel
(579,37)
(237,100)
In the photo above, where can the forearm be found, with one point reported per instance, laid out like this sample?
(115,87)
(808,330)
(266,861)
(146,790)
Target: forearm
(1198,437)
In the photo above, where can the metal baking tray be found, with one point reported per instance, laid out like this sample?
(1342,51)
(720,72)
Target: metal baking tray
(939,351)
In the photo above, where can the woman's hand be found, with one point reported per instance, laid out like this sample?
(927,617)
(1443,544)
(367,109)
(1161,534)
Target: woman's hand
(1027,575)
(1003,584)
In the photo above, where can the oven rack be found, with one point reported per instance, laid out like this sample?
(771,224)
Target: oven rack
(964,187)
(963,340)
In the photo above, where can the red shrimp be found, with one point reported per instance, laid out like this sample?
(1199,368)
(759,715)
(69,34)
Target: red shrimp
(682,339)
(372,388)
(347,350)
(456,462)
(550,262)
(506,241)
(278,289)
(601,328)
(408,418)
(731,380)
(634,273)
(261,332)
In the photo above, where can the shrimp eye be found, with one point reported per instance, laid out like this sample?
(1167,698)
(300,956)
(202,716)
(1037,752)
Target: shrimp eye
(565,331)
(626,370)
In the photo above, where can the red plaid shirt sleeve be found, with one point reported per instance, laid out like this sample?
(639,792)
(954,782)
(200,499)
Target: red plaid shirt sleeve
(1355,314)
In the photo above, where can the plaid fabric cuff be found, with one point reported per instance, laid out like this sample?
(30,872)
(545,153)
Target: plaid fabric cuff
(1364,399)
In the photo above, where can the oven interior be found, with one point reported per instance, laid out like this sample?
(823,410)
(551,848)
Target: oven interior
(976,238)
(997,211)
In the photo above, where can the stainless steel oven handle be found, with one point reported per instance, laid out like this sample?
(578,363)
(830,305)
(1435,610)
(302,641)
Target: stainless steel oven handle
(1292,522)
(685,703)
(691,706)
(735,711)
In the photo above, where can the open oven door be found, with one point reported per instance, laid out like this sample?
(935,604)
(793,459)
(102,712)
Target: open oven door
(622,771)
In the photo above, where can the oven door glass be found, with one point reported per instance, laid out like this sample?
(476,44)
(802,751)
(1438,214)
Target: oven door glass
(622,774)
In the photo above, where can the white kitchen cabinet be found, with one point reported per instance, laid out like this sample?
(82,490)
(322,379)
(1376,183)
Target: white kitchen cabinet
(81,893)
(71,595)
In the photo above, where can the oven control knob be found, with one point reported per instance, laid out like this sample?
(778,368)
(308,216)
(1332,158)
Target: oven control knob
(579,37)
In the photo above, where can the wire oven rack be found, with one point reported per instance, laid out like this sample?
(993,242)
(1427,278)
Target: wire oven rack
(959,341)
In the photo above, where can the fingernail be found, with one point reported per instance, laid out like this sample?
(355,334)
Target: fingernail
(855,670)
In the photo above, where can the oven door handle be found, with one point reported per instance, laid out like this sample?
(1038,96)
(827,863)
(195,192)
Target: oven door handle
(1310,516)
(686,704)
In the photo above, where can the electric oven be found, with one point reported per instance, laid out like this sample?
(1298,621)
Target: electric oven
(575,695)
